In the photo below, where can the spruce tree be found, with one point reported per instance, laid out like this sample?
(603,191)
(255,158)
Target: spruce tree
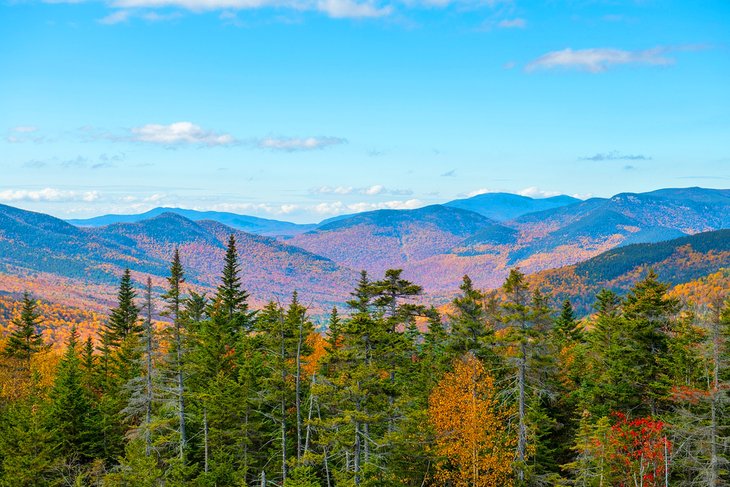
(469,327)
(25,340)
(124,318)
(566,325)
(174,301)
(72,416)
(650,317)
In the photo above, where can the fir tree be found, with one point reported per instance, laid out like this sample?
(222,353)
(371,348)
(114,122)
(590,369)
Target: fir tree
(566,325)
(124,319)
(25,340)
(174,302)
(72,416)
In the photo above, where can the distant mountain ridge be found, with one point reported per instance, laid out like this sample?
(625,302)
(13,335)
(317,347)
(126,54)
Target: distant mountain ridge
(435,245)
(507,206)
(250,224)
(33,243)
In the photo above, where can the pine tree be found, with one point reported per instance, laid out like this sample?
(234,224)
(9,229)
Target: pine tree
(25,340)
(650,315)
(566,325)
(28,456)
(174,301)
(124,319)
(527,318)
(72,416)
(470,328)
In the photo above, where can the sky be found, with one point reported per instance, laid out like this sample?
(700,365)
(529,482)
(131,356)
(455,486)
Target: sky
(303,109)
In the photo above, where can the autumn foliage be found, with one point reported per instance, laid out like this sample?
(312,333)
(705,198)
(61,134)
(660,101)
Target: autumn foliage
(640,451)
(473,439)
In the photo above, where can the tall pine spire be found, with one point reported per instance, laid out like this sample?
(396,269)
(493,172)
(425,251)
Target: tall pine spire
(124,319)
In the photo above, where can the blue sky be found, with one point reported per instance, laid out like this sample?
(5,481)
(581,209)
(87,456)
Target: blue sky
(303,109)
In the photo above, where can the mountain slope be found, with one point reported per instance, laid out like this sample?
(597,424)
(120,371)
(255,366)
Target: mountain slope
(508,206)
(250,224)
(688,210)
(675,261)
(378,240)
(90,260)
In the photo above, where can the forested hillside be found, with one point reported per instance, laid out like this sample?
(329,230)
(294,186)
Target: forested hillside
(503,389)
(676,262)
(484,236)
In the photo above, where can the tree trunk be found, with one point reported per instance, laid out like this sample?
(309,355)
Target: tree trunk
(180,389)
(206,446)
(283,406)
(522,435)
(298,400)
(148,398)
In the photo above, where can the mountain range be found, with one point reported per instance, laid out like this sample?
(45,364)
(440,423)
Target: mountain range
(483,236)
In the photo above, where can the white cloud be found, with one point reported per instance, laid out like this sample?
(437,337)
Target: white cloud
(180,133)
(479,191)
(374,190)
(25,129)
(600,59)
(535,192)
(340,9)
(292,144)
(23,133)
(116,17)
(271,209)
(124,15)
(48,195)
(332,8)
(386,205)
(615,156)
(512,24)
(338,207)
(332,190)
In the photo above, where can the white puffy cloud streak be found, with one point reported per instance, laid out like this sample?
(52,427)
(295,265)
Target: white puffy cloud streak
(179,133)
(512,23)
(294,144)
(47,195)
(374,190)
(337,9)
(338,207)
(598,60)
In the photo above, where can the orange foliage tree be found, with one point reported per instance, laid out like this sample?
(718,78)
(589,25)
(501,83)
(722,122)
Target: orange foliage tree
(473,442)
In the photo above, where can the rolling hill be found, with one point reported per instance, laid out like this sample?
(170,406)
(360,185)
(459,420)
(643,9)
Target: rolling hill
(89,260)
(249,224)
(382,239)
(435,246)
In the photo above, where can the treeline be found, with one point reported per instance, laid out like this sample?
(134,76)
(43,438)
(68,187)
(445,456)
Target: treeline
(500,389)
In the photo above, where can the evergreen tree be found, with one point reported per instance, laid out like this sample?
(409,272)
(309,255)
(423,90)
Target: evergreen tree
(72,416)
(28,456)
(650,316)
(470,328)
(25,340)
(124,319)
(174,301)
(566,325)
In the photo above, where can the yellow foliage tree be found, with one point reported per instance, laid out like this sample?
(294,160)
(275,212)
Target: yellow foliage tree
(473,440)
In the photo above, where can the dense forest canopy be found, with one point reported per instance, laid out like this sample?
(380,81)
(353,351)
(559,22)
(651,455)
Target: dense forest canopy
(501,389)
